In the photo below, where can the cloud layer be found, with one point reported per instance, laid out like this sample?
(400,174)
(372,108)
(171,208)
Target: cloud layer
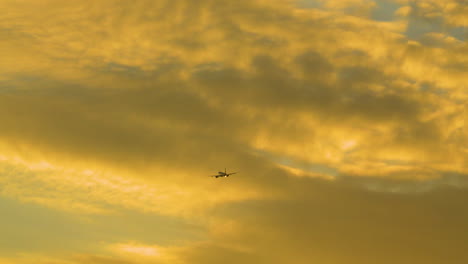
(349,133)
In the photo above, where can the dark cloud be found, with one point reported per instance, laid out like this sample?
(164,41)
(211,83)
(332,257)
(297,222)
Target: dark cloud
(333,222)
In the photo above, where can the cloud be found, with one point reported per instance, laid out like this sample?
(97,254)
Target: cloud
(108,107)
(451,12)
(330,222)
(290,83)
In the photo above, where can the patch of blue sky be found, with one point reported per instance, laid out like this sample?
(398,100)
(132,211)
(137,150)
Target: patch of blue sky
(460,33)
(309,4)
(303,165)
(384,10)
(434,90)
(418,27)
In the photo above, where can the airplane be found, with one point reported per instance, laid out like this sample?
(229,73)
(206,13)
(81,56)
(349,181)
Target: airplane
(223,174)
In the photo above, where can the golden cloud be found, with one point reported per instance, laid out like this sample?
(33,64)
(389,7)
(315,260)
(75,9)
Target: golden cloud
(107,106)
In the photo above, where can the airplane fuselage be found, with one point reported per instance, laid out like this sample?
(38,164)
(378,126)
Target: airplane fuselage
(223,174)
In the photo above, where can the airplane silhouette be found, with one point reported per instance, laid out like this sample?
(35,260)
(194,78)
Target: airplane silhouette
(223,174)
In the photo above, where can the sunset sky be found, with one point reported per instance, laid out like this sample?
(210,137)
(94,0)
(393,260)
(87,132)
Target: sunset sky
(346,120)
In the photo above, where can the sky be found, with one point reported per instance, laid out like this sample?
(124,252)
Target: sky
(346,120)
